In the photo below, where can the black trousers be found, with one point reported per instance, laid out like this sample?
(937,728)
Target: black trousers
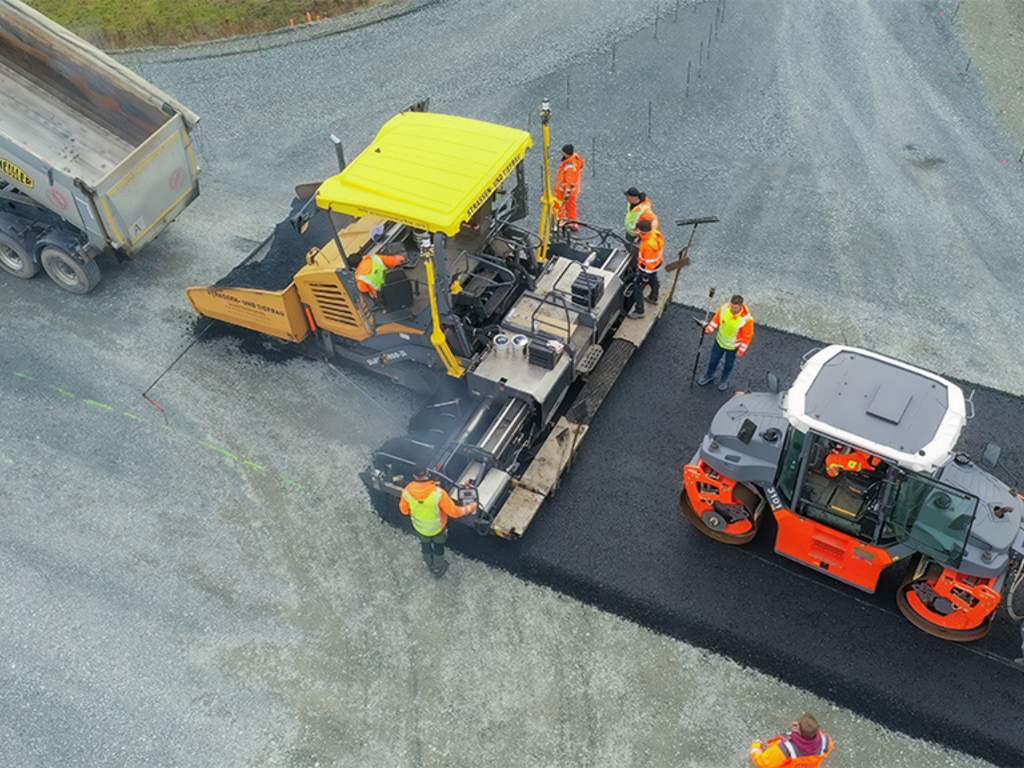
(640,282)
(432,547)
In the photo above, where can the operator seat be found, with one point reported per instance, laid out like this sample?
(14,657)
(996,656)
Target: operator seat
(397,292)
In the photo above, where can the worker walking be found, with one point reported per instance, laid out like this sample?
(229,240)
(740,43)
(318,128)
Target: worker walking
(567,187)
(430,508)
(650,256)
(372,270)
(735,326)
(638,207)
(806,745)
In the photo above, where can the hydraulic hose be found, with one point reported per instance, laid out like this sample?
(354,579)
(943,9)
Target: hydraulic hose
(1015,584)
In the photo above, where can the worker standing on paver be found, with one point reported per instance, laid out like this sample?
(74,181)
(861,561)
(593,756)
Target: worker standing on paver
(639,207)
(372,270)
(567,187)
(805,746)
(430,508)
(735,326)
(650,257)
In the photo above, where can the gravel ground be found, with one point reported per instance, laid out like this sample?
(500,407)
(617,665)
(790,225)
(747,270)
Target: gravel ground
(213,590)
(994,35)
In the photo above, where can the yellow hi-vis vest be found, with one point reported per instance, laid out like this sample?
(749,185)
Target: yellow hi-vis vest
(729,328)
(376,276)
(634,213)
(425,513)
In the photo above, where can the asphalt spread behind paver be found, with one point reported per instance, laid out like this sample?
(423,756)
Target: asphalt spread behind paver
(612,536)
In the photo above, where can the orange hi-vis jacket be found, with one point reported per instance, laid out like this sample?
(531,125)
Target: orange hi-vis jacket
(652,251)
(734,331)
(420,490)
(371,270)
(570,173)
(780,752)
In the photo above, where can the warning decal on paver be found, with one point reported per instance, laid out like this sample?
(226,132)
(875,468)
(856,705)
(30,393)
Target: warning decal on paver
(7,168)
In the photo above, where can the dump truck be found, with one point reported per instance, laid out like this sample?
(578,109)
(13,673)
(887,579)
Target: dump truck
(858,464)
(514,335)
(93,158)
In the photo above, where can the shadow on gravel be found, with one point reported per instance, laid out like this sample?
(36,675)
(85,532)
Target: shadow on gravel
(247,341)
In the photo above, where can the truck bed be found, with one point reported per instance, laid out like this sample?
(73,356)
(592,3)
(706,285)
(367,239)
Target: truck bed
(48,126)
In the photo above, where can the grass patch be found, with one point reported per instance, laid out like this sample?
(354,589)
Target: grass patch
(131,23)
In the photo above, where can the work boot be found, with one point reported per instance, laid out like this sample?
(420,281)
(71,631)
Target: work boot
(438,567)
(636,312)
(703,381)
(651,299)
(723,386)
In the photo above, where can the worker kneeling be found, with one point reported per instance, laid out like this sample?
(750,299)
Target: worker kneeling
(805,746)
(650,257)
(430,508)
(372,270)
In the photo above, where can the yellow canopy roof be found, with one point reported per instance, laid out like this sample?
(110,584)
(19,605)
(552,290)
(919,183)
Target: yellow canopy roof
(430,171)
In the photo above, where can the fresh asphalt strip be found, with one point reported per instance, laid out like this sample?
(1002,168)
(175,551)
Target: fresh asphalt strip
(612,536)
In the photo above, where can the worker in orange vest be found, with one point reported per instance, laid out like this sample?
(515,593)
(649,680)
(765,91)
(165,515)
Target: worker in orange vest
(430,508)
(735,333)
(806,745)
(638,207)
(567,187)
(650,256)
(372,270)
(849,460)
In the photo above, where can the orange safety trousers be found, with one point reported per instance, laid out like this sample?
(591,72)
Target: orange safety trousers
(567,187)
(566,207)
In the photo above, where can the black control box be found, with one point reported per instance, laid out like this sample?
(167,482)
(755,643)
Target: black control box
(587,290)
(542,354)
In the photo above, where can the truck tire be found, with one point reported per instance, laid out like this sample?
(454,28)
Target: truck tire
(16,259)
(67,271)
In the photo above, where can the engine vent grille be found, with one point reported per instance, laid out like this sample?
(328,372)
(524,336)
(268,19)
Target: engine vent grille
(334,305)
